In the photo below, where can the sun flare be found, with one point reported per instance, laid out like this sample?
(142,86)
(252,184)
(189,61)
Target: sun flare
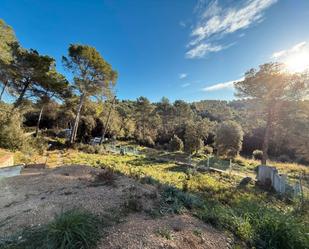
(298,62)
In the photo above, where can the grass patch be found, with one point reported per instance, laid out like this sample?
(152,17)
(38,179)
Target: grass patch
(164,233)
(74,229)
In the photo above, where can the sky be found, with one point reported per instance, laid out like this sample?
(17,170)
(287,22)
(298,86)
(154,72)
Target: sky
(181,49)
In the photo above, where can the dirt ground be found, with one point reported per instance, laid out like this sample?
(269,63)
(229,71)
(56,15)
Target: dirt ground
(34,198)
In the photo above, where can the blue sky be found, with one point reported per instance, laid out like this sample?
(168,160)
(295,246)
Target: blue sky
(181,49)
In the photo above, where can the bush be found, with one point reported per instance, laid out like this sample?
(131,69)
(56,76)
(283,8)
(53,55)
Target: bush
(176,144)
(175,201)
(133,203)
(90,149)
(208,150)
(148,141)
(11,133)
(257,154)
(69,230)
(228,147)
(73,229)
(107,177)
(284,158)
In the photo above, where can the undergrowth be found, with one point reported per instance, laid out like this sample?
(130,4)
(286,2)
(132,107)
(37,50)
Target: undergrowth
(74,229)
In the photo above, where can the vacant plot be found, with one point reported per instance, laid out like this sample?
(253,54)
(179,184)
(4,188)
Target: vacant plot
(35,197)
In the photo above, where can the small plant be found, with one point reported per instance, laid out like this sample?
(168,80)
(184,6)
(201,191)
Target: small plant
(175,201)
(164,233)
(208,150)
(176,144)
(197,232)
(133,204)
(148,180)
(107,177)
(73,229)
(257,154)
(69,230)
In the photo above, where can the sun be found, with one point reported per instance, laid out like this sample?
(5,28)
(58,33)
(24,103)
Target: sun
(298,62)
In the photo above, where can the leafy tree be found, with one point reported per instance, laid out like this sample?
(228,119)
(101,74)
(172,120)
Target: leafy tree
(166,112)
(11,132)
(176,144)
(193,139)
(228,139)
(54,86)
(27,72)
(183,112)
(92,76)
(125,111)
(146,120)
(270,85)
(7,36)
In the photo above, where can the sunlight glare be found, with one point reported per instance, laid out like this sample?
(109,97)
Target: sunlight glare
(299,62)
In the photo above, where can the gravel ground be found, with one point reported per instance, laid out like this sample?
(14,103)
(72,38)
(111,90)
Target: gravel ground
(35,197)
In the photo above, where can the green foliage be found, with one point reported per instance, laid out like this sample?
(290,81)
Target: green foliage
(91,149)
(107,177)
(164,233)
(69,230)
(73,229)
(7,36)
(258,225)
(228,139)
(176,144)
(193,142)
(12,136)
(133,203)
(257,154)
(175,201)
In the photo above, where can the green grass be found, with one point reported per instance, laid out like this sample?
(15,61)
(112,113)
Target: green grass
(74,229)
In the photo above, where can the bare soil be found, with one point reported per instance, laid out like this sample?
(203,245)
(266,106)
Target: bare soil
(34,198)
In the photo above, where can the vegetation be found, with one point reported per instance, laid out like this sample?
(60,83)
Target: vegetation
(69,230)
(228,139)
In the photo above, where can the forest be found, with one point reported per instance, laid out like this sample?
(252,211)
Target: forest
(270,114)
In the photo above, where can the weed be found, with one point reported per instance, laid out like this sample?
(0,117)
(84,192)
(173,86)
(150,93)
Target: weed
(133,204)
(69,230)
(107,177)
(164,233)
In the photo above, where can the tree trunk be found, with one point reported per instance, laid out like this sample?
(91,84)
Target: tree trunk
(267,133)
(76,121)
(39,121)
(107,121)
(21,96)
(3,89)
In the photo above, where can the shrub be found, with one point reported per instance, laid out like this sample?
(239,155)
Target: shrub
(257,154)
(148,141)
(107,177)
(284,158)
(73,229)
(175,201)
(11,132)
(133,203)
(164,233)
(208,150)
(69,230)
(90,149)
(228,147)
(176,144)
